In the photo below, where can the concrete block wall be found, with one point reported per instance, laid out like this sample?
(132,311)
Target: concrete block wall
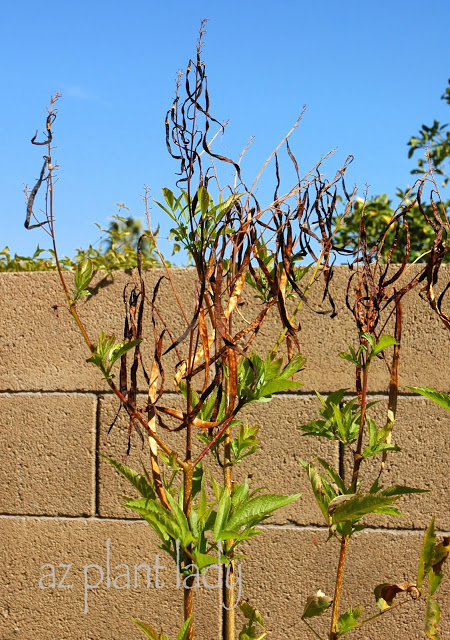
(59,501)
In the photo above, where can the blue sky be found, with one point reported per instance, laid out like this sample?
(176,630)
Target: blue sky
(370,73)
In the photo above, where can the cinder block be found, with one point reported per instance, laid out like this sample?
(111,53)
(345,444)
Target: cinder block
(41,349)
(48,454)
(286,566)
(28,610)
(44,349)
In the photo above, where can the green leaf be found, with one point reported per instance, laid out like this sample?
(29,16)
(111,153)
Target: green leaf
(391,511)
(121,348)
(329,489)
(168,196)
(360,505)
(83,294)
(203,560)
(96,359)
(316,605)
(373,432)
(246,442)
(185,534)
(432,618)
(369,452)
(370,339)
(273,367)
(440,555)
(383,343)
(350,358)
(317,428)
(157,516)
(83,274)
(203,199)
(218,489)
(434,580)
(183,632)
(426,555)
(223,208)
(203,504)
(197,480)
(195,398)
(207,408)
(255,510)
(147,629)
(223,510)
(138,481)
(334,475)
(443,399)
(274,386)
(293,366)
(105,344)
(240,495)
(318,489)
(349,619)
(376,486)
(246,534)
(251,613)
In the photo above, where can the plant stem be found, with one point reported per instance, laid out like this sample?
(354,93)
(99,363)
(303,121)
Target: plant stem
(380,613)
(188,473)
(393,383)
(311,629)
(338,587)
(228,575)
(357,459)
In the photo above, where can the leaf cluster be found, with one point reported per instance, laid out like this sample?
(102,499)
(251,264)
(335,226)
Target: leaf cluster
(108,351)
(198,221)
(435,139)
(260,279)
(343,510)
(369,347)
(228,518)
(340,419)
(379,221)
(259,379)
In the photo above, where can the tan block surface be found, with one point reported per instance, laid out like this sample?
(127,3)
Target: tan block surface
(285,566)
(42,348)
(48,453)
(29,611)
(276,466)
(42,351)
(421,431)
